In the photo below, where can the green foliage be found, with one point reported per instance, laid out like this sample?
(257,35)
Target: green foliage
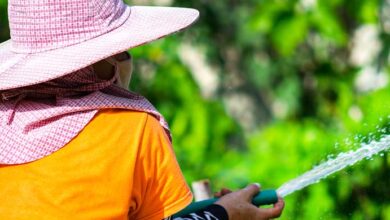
(4,31)
(291,59)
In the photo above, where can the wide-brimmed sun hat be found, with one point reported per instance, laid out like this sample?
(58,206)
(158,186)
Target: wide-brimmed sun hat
(50,39)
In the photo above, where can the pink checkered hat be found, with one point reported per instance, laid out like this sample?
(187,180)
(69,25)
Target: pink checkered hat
(50,39)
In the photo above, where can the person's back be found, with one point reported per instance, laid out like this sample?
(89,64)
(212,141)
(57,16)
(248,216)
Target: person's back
(120,166)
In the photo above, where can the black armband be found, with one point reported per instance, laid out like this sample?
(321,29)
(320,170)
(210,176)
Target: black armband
(211,212)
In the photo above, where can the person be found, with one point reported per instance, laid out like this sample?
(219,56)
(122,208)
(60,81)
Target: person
(75,142)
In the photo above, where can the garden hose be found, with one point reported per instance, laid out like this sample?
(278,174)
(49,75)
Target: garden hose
(265,197)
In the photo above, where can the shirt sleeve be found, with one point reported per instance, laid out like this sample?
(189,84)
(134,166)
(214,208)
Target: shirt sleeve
(160,189)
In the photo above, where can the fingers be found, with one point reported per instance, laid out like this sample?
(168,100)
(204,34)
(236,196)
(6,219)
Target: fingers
(250,191)
(273,212)
(224,191)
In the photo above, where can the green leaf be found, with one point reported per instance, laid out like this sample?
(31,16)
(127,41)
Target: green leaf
(288,33)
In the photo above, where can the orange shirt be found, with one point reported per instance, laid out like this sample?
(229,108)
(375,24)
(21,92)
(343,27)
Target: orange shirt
(121,166)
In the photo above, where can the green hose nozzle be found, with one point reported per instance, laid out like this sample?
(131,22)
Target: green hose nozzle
(265,197)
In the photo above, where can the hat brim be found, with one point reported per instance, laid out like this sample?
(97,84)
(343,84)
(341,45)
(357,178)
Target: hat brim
(145,24)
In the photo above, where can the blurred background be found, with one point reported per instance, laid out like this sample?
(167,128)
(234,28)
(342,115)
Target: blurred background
(264,90)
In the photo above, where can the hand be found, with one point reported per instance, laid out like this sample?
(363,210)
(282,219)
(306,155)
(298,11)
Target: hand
(239,207)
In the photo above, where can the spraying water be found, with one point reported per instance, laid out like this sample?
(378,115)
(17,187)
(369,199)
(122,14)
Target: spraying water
(313,176)
(331,166)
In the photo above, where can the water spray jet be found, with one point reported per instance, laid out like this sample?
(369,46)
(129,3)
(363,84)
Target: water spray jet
(345,159)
